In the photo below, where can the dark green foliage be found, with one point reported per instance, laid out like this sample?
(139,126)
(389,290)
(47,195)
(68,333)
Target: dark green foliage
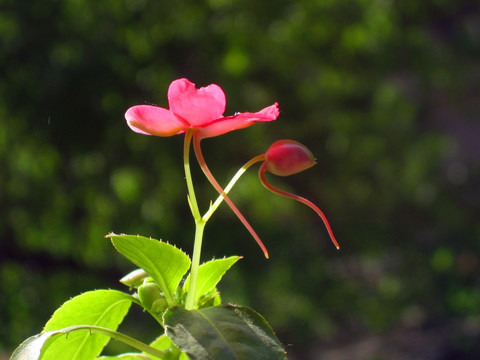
(223,332)
(384,93)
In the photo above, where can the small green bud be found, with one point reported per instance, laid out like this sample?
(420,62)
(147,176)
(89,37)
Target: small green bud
(148,293)
(159,305)
(134,279)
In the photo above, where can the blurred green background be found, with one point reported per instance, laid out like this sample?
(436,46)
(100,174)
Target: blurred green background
(385,93)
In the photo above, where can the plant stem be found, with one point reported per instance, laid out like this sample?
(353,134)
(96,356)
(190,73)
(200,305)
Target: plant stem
(200,221)
(155,316)
(192,200)
(197,250)
(199,224)
(230,185)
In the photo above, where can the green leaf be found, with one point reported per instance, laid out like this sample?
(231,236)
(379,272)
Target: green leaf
(163,342)
(127,356)
(34,347)
(223,333)
(31,348)
(105,308)
(209,274)
(163,262)
(172,352)
(212,298)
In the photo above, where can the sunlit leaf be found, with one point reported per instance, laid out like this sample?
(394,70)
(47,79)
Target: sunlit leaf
(105,308)
(128,356)
(165,263)
(209,274)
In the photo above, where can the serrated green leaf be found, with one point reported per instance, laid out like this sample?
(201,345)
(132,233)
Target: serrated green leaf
(165,263)
(105,308)
(223,333)
(209,274)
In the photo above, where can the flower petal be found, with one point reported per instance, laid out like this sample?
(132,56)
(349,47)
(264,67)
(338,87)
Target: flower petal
(198,107)
(153,120)
(239,121)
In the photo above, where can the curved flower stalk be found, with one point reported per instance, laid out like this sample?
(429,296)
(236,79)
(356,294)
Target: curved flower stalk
(283,158)
(288,157)
(223,194)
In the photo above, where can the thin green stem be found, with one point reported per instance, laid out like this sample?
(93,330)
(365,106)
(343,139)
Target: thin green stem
(200,221)
(230,185)
(155,316)
(197,250)
(192,200)
(199,224)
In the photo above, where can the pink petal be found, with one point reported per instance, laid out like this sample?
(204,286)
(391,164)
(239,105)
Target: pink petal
(153,120)
(239,121)
(196,106)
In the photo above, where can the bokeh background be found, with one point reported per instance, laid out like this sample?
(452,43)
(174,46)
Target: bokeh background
(385,93)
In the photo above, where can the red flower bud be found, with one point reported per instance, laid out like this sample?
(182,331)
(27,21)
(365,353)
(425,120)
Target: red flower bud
(288,157)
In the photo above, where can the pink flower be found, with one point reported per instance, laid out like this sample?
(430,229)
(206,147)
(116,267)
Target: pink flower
(191,108)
